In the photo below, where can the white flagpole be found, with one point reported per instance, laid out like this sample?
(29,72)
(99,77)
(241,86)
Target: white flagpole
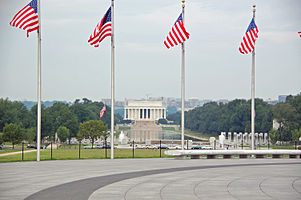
(253,89)
(183,82)
(39,86)
(112,81)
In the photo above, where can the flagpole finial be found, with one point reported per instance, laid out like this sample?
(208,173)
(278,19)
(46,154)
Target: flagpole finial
(254,6)
(183,1)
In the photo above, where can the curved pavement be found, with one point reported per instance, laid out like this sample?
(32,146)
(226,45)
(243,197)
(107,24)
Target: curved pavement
(154,179)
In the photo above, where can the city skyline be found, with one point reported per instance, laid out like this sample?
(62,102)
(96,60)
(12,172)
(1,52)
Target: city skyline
(215,69)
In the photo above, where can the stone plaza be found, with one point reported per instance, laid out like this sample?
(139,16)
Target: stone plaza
(137,179)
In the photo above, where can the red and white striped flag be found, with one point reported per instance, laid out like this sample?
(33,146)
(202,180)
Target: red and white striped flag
(102,111)
(248,42)
(299,33)
(102,30)
(27,18)
(177,35)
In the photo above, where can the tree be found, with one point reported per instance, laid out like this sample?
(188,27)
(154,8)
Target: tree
(14,112)
(274,136)
(296,134)
(63,133)
(60,115)
(92,130)
(284,114)
(30,134)
(162,121)
(12,133)
(175,117)
(1,138)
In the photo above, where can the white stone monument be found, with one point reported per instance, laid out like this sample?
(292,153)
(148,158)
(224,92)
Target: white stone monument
(221,139)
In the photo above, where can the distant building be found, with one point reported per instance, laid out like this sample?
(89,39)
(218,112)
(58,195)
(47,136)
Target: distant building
(271,101)
(117,103)
(140,110)
(282,98)
(223,101)
(193,102)
(202,102)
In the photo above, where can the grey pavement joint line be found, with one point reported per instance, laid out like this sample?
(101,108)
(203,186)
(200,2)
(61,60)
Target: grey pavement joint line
(260,187)
(293,185)
(82,189)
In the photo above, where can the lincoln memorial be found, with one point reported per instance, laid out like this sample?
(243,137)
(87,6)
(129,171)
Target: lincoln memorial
(144,115)
(144,110)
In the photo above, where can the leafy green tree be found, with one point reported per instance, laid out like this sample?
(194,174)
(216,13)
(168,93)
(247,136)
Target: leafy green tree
(60,115)
(63,133)
(12,133)
(1,138)
(162,121)
(274,136)
(30,134)
(82,112)
(175,117)
(285,115)
(14,112)
(296,134)
(92,130)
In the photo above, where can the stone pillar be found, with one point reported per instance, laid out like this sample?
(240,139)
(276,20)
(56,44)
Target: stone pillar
(240,135)
(154,114)
(261,138)
(246,138)
(235,139)
(256,139)
(229,137)
(266,138)
(250,139)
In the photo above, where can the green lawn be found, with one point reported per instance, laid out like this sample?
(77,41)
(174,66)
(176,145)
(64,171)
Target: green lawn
(72,154)
(168,128)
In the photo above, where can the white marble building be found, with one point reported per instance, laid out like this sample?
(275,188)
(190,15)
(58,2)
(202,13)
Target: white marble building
(144,110)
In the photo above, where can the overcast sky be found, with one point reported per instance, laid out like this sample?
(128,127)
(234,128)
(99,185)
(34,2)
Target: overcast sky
(215,69)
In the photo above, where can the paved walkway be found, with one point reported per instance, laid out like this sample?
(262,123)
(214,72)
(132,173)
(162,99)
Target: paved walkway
(152,179)
(16,152)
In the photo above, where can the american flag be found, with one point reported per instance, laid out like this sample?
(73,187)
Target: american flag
(248,41)
(177,35)
(102,111)
(299,33)
(27,18)
(102,30)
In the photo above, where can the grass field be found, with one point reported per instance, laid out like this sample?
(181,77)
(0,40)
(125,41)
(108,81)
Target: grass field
(73,154)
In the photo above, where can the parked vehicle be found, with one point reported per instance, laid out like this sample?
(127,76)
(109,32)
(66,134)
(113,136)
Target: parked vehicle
(34,146)
(29,146)
(196,147)
(175,147)
(98,146)
(163,147)
(207,148)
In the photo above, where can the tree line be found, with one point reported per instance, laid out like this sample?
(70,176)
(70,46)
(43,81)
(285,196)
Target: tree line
(17,123)
(235,116)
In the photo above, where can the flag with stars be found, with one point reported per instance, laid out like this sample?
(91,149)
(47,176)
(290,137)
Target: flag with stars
(102,30)
(177,35)
(27,18)
(248,41)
